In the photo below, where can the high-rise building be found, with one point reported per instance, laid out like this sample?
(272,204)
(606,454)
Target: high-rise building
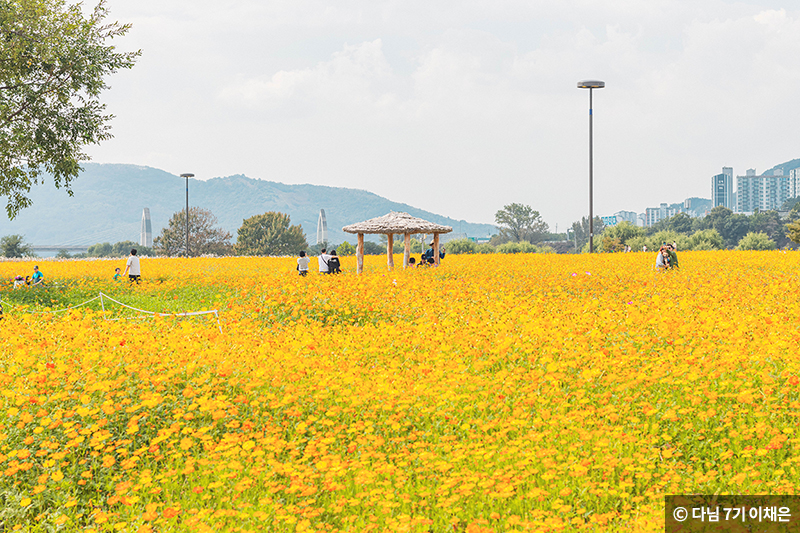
(765,192)
(146,237)
(656,214)
(794,183)
(722,189)
(630,216)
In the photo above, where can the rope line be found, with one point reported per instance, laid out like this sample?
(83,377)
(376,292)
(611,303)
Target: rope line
(54,310)
(154,313)
(102,296)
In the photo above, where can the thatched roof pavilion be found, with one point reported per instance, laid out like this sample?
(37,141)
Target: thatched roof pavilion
(396,224)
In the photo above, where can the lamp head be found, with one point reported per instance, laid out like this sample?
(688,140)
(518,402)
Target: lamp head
(591,84)
(187,175)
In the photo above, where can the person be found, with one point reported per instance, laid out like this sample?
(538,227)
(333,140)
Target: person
(132,267)
(429,254)
(117,275)
(302,263)
(662,259)
(37,277)
(334,267)
(411,262)
(323,261)
(644,248)
(673,256)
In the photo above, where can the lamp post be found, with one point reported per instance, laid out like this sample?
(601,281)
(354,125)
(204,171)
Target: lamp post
(187,176)
(591,84)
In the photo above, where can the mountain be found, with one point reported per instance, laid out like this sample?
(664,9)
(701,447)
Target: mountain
(108,201)
(785,167)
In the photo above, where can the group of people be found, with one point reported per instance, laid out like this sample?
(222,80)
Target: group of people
(37,278)
(428,258)
(667,257)
(329,262)
(132,266)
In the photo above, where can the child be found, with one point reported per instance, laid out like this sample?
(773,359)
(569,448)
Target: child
(117,275)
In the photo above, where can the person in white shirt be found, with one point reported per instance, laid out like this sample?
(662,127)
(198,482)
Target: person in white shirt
(323,261)
(132,267)
(302,263)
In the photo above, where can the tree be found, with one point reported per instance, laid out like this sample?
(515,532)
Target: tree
(524,247)
(793,231)
(769,222)
(756,241)
(100,250)
(680,222)
(518,222)
(735,228)
(581,231)
(53,65)
(614,238)
(373,248)
(716,218)
(345,249)
(706,239)
(123,248)
(789,204)
(270,234)
(204,238)
(14,246)
(461,246)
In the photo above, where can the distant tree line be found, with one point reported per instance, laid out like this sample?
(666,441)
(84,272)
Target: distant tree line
(521,230)
(720,229)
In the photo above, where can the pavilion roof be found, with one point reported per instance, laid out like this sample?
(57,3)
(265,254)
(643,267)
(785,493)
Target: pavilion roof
(396,223)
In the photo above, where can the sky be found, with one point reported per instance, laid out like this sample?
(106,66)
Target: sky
(461,107)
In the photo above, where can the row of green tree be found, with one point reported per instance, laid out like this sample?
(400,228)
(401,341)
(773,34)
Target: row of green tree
(720,229)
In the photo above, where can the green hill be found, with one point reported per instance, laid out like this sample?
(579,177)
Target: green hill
(108,202)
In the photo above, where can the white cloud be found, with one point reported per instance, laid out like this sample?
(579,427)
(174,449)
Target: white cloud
(356,75)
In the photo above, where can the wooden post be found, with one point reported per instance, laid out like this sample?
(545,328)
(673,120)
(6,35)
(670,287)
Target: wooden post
(406,250)
(390,251)
(436,249)
(360,253)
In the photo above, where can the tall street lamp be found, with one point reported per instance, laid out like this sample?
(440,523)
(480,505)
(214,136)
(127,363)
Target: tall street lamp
(187,176)
(591,84)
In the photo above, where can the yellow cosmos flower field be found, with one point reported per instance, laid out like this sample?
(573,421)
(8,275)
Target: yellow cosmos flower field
(495,393)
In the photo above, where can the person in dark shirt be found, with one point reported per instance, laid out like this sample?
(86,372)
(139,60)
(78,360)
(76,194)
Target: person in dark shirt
(673,256)
(333,263)
(427,257)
